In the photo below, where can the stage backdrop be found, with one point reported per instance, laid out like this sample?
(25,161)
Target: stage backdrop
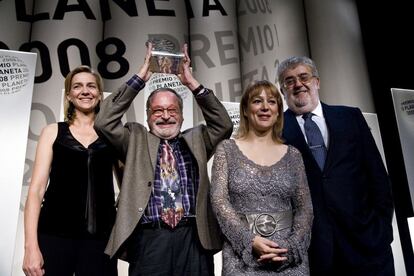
(232,42)
(17,70)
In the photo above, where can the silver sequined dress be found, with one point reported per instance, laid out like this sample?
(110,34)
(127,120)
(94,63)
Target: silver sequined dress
(240,186)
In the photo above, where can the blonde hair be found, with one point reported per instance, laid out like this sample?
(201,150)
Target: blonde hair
(69,108)
(251,91)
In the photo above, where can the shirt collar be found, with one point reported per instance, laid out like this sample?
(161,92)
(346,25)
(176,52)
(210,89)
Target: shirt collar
(317,111)
(174,141)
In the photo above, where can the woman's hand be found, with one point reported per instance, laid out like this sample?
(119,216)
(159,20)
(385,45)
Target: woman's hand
(33,262)
(268,250)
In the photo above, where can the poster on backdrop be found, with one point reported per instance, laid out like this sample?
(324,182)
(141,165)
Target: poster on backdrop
(404,113)
(234,113)
(17,71)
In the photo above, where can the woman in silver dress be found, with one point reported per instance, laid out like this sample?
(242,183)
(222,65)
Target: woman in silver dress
(260,194)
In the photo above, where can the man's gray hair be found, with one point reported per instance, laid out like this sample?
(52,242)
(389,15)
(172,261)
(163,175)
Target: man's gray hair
(292,62)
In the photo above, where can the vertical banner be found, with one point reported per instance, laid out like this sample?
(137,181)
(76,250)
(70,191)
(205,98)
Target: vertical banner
(372,121)
(215,47)
(411,227)
(17,71)
(13,38)
(336,42)
(269,31)
(404,113)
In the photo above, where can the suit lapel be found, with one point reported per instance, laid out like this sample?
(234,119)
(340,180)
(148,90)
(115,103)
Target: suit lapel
(153,145)
(193,147)
(293,133)
(336,124)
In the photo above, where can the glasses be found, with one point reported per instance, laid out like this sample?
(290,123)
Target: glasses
(304,78)
(158,112)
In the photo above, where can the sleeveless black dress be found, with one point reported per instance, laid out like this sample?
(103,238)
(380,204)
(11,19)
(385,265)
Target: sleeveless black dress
(79,200)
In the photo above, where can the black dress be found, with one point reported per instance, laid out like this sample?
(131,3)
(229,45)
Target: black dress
(79,203)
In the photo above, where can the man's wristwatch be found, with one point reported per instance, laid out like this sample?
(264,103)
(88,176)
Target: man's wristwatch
(198,90)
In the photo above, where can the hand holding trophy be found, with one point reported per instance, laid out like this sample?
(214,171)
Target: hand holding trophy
(164,59)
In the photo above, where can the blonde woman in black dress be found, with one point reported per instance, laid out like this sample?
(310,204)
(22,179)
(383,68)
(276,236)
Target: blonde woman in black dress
(70,210)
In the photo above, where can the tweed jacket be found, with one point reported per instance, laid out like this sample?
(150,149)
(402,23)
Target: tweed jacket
(138,150)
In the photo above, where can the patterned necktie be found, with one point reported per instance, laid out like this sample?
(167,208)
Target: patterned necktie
(172,206)
(315,140)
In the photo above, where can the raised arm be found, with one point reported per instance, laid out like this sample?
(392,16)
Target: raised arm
(218,122)
(108,123)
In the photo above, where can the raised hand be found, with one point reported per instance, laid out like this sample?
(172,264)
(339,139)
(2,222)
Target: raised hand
(143,71)
(186,77)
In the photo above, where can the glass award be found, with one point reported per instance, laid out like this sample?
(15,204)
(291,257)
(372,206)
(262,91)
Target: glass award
(165,62)
(164,59)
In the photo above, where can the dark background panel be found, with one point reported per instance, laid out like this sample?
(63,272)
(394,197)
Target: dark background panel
(388,37)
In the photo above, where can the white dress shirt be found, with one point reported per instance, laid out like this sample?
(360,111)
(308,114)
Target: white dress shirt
(319,119)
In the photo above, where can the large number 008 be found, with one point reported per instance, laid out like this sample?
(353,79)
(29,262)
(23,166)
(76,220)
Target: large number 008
(62,51)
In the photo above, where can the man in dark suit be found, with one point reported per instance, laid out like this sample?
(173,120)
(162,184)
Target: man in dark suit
(164,223)
(349,185)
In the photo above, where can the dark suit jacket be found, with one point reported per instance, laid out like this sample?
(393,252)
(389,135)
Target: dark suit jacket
(138,149)
(351,197)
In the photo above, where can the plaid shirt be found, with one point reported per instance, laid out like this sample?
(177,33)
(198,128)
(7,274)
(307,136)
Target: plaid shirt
(188,172)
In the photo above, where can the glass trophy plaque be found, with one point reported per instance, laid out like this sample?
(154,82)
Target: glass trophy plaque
(166,62)
(165,58)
